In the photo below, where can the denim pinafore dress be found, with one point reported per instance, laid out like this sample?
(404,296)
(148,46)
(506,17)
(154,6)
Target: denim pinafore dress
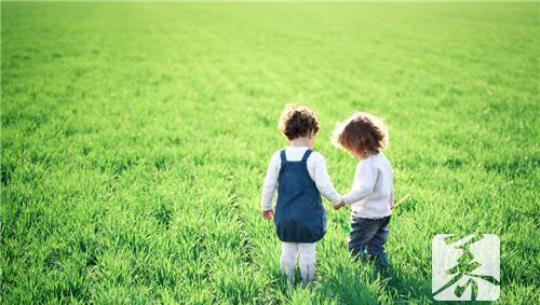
(300,216)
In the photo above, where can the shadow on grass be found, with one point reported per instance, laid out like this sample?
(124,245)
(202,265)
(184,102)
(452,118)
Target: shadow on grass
(350,283)
(403,288)
(360,283)
(354,283)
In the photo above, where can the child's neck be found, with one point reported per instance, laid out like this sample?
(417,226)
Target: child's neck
(300,142)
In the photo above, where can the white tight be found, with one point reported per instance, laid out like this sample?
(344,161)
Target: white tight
(306,260)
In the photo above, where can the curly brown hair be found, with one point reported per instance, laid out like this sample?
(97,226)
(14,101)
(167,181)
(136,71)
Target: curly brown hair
(298,121)
(362,133)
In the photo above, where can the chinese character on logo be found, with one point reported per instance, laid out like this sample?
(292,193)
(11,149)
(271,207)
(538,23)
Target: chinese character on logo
(466,268)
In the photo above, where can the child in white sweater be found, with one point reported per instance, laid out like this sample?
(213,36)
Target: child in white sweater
(300,177)
(371,197)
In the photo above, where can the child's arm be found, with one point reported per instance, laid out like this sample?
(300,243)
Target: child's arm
(269,186)
(364,182)
(322,180)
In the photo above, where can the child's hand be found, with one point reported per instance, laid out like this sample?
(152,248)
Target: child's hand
(339,205)
(267,214)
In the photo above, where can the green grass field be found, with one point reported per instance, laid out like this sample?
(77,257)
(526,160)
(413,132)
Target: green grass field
(135,137)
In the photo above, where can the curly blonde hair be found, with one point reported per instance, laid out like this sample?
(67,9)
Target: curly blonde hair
(362,133)
(298,121)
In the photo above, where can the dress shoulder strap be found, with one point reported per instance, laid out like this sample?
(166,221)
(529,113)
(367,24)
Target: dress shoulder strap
(306,155)
(283,156)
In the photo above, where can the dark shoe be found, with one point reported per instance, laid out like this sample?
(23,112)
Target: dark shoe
(381,260)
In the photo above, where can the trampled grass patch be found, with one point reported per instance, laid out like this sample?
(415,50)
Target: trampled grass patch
(135,137)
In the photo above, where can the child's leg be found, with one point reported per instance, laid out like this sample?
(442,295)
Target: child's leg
(376,244)
(307,261)
(288,259)
(362,231)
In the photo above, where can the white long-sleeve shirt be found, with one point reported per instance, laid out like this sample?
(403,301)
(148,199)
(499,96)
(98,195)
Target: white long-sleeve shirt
(371,195)
(316,166)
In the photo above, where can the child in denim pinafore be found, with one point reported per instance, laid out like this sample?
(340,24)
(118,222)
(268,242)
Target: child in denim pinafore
(299,174)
